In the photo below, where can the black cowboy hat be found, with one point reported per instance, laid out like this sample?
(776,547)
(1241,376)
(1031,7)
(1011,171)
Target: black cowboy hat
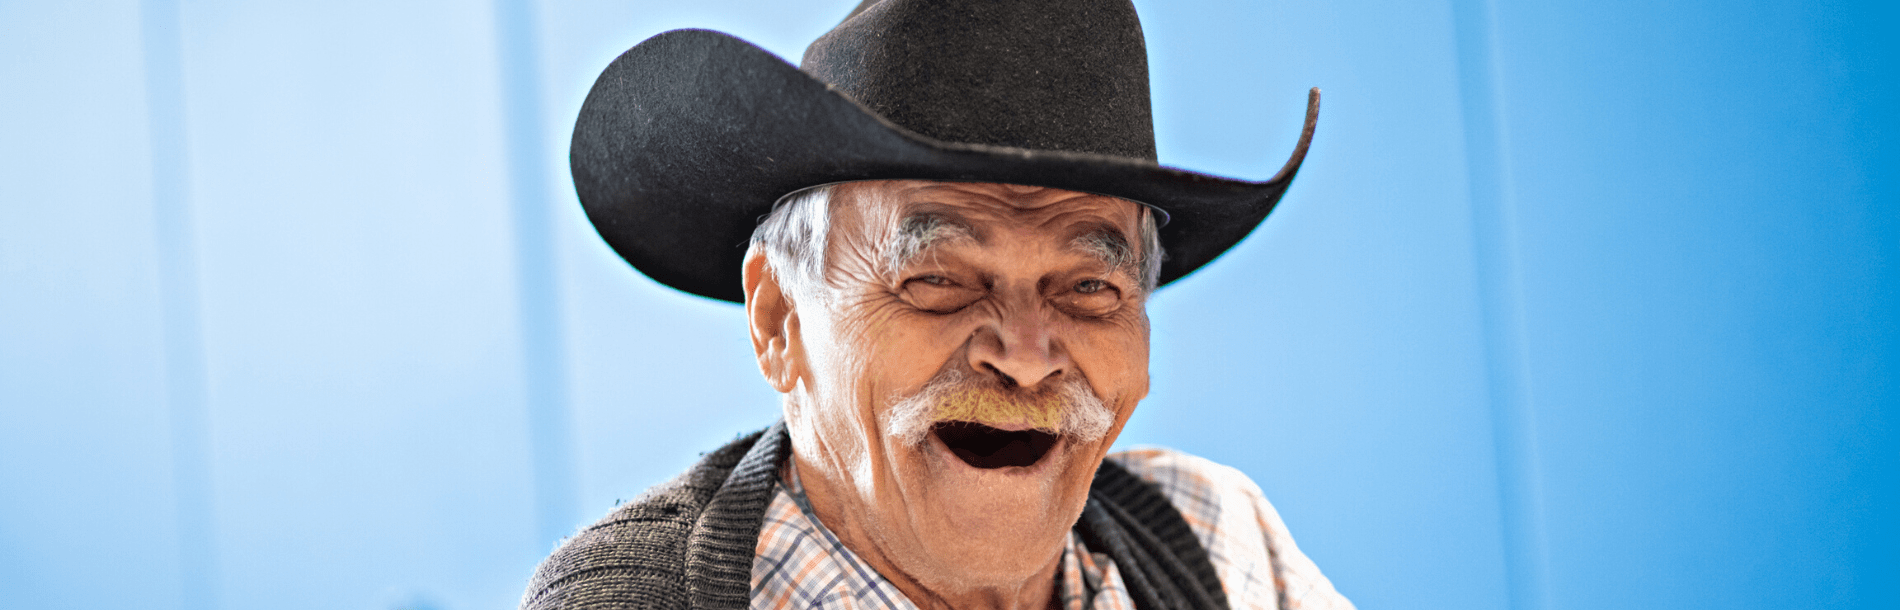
(690,137)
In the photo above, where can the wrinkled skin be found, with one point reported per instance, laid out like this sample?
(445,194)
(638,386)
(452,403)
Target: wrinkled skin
(1018,301)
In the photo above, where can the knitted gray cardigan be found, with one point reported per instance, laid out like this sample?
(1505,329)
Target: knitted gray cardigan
(688,543)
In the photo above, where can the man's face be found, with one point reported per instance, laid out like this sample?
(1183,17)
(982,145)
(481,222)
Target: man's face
(975,352)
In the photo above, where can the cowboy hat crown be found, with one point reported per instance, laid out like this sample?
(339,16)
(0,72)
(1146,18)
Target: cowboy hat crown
(1066,75)
(688,138)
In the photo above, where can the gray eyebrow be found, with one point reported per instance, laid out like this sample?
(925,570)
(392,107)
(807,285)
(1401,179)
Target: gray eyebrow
(1107,243)
(919,232)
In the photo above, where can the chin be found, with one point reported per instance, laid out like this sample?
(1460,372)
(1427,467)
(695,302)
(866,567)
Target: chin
(993,506)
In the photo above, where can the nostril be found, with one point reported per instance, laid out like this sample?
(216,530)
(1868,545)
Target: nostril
(1007,381)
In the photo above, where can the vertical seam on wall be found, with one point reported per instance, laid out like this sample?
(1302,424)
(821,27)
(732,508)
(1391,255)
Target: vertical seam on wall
(176,241)
(1501,301)
(543,354)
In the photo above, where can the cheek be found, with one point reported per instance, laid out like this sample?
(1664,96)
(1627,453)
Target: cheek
(826,388)
(1114,356)
(871,356)
(911,348)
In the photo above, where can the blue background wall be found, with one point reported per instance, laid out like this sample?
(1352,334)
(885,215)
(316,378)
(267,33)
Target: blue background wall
(1575,305)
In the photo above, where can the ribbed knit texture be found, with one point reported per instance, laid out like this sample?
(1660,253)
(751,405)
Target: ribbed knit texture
(689,542)
(1161,561)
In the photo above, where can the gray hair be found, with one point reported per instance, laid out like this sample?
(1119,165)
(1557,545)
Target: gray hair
(793,237)
(795,234)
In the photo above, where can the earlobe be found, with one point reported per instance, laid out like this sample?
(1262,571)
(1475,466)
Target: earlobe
(773,321)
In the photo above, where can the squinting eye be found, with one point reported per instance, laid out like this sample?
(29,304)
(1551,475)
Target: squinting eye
(1091,298)
(939,294)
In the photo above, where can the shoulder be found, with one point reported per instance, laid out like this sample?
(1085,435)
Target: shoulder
(636,556)
(1249,545)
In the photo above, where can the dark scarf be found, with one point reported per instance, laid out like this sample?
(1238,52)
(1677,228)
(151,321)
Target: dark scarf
(689,542)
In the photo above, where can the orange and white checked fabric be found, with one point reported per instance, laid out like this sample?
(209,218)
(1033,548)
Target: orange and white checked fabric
(800,564)
(1249,546)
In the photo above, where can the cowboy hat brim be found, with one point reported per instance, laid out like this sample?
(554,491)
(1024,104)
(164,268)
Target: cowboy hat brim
(690,137)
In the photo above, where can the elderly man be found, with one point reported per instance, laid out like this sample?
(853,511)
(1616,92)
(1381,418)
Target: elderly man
(944,226)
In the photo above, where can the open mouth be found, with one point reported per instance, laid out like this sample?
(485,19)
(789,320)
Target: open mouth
(985,447)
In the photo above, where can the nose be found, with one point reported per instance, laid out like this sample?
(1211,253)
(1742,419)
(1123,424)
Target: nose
(1020,349)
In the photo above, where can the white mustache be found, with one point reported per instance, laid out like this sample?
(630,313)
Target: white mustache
(1069,409)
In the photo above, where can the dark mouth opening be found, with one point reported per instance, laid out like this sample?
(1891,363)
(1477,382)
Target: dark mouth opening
(985,447)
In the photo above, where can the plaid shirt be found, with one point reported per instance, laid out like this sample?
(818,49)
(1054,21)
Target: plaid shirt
(801,564)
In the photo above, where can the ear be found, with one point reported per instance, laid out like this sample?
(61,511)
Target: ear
(773,320)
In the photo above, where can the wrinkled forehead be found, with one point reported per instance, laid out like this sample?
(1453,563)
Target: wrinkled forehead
(981,209)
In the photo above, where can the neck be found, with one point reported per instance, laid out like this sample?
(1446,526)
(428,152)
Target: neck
(1035,591)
